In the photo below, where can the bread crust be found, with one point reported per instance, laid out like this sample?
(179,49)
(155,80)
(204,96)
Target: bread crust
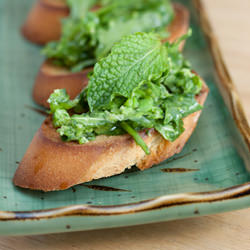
(180,25)
(43,23)
(51,77)
(50,164)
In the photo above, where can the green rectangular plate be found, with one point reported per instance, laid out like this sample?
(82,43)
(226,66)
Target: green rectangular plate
(219,149)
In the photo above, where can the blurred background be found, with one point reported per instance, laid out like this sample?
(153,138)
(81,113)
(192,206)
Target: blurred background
(231,22)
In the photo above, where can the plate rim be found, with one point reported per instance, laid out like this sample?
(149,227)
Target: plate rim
(159,202)
(233,103)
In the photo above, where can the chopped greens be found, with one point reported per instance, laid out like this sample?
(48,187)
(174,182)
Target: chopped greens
(89,35)
(141,84)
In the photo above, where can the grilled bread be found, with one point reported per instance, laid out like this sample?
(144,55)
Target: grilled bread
(51,164)
(43,23)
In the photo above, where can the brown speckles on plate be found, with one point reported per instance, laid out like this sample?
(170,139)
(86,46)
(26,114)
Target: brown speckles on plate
(196,211)
(179,170)
(104,188)
(179,157)
(37,110)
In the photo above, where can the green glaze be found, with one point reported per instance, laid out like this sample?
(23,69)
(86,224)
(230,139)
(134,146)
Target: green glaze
(216,146)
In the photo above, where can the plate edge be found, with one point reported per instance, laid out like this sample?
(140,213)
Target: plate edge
(234,192)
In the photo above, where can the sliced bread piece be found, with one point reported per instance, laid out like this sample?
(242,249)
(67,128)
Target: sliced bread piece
(43,23)
(51,164)
(51,77)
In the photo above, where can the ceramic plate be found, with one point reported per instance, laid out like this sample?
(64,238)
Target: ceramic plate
(210,175)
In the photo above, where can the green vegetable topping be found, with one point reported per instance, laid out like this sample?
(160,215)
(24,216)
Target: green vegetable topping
(141,84)
(89,35)
(133,60)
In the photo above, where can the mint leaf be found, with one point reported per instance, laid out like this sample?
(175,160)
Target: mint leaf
(136,58)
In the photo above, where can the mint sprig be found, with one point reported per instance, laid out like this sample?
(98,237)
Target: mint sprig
(135,59)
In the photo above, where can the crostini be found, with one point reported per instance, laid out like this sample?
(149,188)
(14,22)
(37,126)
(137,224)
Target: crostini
(43,23)
(140,107)
(52,76)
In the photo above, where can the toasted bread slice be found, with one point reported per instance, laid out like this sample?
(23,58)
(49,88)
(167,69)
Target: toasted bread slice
(51,77)
(43,23)
(51,164)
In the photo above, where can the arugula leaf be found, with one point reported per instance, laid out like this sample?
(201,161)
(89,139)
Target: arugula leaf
(147,21)
(170,131)
(141,84)
(136,58)
(59,99)
(76,49)
(178,106)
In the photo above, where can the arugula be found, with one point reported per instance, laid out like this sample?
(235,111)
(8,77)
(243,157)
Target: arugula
(141,84)
(88,35)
